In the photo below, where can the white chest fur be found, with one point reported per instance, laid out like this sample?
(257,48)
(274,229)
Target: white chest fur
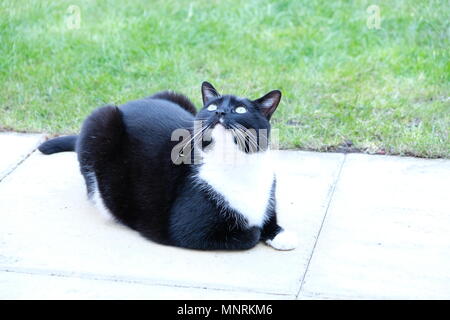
(244,180)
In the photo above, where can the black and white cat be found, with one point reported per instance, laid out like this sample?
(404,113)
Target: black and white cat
(220,196)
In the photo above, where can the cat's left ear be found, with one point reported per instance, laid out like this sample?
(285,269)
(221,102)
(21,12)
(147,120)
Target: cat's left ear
(208,92)
(269,103)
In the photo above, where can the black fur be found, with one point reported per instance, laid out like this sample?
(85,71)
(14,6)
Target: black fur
(176,98)
(127,150)
(59,144)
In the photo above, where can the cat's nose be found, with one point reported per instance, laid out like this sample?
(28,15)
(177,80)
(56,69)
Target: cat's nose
(220,112)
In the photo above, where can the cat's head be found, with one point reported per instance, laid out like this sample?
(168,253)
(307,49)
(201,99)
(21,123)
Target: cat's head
(248,120)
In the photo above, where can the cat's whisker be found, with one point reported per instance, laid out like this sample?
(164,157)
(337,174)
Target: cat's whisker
(244,130)
(258,134)
(243,138)
(240,138)
(196,134)
(243,134)
(188,143)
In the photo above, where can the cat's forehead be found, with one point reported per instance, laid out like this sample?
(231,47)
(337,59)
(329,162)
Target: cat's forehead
(229,100)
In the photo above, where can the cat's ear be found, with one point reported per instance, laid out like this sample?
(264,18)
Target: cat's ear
(269,103)
(208,92)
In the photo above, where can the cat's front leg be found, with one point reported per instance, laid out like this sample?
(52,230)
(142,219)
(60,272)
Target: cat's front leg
(277,237)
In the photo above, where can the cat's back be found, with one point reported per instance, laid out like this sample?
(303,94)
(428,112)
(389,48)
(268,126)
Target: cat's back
(151,116)
(150,124)
(137,128)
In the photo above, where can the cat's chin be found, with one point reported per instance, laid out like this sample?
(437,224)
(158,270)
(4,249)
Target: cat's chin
(221,138)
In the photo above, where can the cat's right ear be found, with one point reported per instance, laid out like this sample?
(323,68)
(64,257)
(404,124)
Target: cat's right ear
(208,92)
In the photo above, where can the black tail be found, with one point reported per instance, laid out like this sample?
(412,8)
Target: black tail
(60,144)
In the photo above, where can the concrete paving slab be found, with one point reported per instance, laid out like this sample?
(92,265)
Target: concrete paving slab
(49,228)
(14,148)
(22,286)
(386,233)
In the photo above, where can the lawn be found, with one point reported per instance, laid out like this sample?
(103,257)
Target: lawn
(345,85)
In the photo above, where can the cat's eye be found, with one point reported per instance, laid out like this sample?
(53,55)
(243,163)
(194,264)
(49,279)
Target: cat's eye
(212,107)
(240,109)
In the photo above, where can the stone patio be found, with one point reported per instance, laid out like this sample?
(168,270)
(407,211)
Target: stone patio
(370,227)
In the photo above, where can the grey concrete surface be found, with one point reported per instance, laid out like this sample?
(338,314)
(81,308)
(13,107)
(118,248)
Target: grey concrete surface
(14,148)
(51,287)
(369,227)
(49,227)
(387,232)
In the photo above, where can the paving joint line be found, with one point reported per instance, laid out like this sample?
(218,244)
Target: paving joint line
(22,160)
(333,189)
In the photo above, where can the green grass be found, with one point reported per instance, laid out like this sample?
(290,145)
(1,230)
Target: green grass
(386,90)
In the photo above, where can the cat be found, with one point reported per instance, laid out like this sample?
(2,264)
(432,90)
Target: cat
(184,193)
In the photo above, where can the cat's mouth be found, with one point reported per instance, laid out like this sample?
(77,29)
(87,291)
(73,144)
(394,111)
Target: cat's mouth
(220,122)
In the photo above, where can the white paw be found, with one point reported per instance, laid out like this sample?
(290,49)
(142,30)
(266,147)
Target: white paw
(285,240)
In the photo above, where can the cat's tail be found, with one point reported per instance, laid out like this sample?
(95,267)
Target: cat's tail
(59,144)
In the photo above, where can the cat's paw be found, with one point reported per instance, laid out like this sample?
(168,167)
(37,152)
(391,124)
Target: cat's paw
(285,240)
